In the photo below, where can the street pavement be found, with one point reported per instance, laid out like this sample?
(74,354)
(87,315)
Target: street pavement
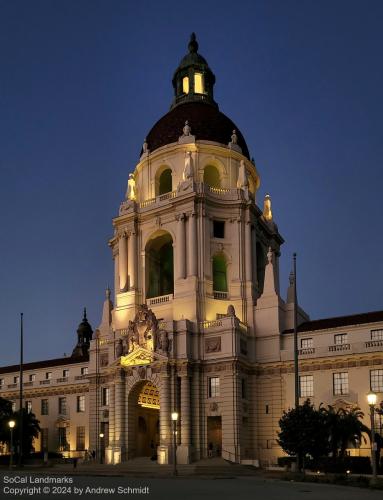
(45,487)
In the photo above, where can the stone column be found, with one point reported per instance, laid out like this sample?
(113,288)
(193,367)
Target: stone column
(119,418)
(180,246)
(165,428)
(109,450)
(196,413)
(192,245)
(123,262)
(132,260)
(183,453)
(248,257)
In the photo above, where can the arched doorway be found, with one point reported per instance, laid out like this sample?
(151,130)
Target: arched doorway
(144,420)
(159,265)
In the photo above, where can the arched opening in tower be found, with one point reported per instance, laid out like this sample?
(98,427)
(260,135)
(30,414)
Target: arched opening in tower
(211,176)
(165,182)
(159,265)
(219,273)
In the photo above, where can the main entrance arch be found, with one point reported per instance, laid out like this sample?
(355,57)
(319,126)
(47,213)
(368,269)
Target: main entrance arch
(144,419)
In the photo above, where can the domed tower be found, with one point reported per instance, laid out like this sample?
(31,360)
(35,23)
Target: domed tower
(193,254)
(84,336)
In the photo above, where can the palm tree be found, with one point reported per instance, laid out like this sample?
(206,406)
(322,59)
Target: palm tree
(345,428)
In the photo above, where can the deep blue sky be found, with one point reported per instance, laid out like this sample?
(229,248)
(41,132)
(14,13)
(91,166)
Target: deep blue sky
(81,84)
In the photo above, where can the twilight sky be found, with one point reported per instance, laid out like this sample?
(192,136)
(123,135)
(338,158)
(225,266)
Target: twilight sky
(81,84)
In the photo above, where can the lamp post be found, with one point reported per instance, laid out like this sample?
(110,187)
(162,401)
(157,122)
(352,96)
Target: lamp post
(371,398)
(101,447)
(174,419)
(11,424)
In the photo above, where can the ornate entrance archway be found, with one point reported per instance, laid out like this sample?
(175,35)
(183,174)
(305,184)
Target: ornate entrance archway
(144,419)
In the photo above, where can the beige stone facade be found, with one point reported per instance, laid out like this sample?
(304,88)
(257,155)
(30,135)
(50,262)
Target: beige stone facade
(198,324)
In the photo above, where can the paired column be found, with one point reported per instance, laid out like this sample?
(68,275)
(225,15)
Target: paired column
(119,417)
(123,261)
(192,246)
(132,261)
(165,434)
(185,410)
(180,246)
(248,256)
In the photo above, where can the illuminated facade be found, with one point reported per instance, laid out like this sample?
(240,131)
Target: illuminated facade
(197,324)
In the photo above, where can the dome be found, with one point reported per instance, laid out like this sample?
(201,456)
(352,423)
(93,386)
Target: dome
(206,122)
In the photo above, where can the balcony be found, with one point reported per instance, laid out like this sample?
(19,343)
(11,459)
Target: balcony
(374,343)
(45,382)
(306,351)
(12,386)
(62,379)
(220,295)
(339,347)
(81,377)
(158,199)
(157,301)
(28,384)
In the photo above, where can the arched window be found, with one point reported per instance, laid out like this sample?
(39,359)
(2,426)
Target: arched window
(165,182)
(185,84)
(219,273)
(211,176)
(261,263)
(159,265)
(198,83)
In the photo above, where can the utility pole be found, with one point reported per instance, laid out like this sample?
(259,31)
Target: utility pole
(21,409)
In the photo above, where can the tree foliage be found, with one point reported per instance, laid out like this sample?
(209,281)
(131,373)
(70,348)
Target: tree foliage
(307,431)
(31,427)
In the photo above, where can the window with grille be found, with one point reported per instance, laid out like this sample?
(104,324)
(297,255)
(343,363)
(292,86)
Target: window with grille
(377,334)
(376,380)
(44,407)
(80,438)
(307,343)
(32,377)
(213,387)
(80,404)
(340,382)
(306,386)
(65,373)
(48,375)
(84,370)
(62,406)
(340,338)
(28,406)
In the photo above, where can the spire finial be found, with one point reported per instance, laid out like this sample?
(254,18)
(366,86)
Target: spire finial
(107,292)
(193,44)
(84,313)
(267,213)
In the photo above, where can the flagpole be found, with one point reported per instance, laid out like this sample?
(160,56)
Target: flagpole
(296,367)
(21,393)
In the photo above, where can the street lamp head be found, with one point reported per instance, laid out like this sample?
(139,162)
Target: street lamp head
(371,398)
(11,424)
(174,416)
(101,434)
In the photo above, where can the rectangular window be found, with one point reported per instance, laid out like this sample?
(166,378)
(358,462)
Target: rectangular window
(1,382)
(80,438)
(267,409)
(13,406)
(340,338)
(44,407)
(32,377)
(48,375)
(218,229)
(16,380)
(213,387)
(28,406)
(307,343)
(376,334)
(105,396)
(62,406)
(65,373)
(306,386)
(80,404)
(198,83)
(62,438)
(340,383)
(84,370)
(44,439)
(376,380)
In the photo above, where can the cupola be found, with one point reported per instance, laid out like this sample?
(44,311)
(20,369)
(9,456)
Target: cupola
(193,80)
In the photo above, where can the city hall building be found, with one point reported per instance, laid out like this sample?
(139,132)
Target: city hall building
(197,323)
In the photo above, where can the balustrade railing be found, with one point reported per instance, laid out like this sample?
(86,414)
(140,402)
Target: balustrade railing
(163,299)
(339,347)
